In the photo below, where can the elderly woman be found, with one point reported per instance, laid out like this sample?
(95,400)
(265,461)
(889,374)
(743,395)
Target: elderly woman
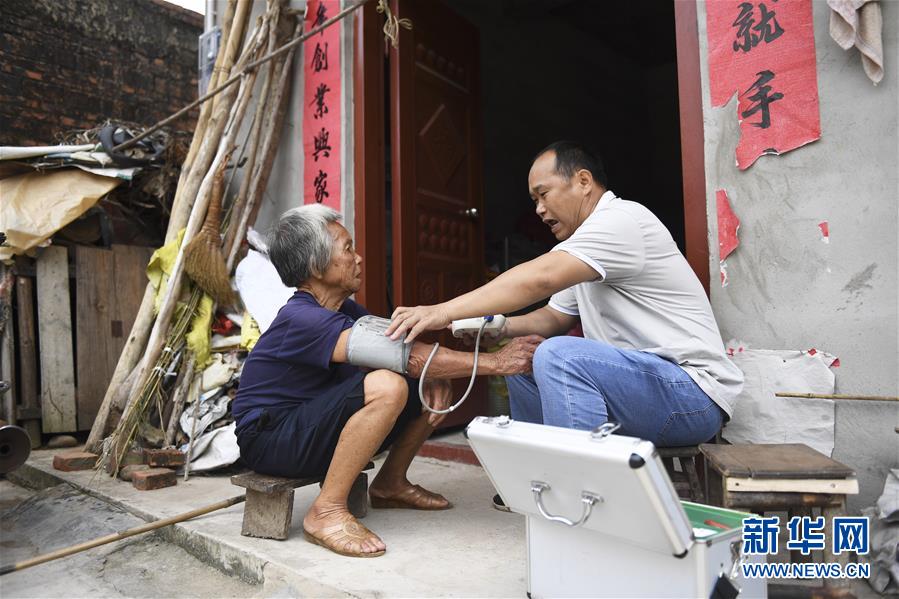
(302,410)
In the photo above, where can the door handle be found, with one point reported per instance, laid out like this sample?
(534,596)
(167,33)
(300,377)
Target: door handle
(471,213)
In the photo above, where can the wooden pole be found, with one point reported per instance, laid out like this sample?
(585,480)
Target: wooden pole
(53,555)
(236,77)
(837,396)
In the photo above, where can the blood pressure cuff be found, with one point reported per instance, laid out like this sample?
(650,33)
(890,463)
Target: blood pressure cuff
(369,347)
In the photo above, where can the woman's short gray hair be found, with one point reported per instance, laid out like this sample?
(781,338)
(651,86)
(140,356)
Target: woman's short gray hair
(299,246)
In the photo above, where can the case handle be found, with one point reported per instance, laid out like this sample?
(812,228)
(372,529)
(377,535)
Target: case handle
(587,498)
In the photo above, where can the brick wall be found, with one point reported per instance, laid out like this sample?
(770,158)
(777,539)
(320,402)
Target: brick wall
(72,64)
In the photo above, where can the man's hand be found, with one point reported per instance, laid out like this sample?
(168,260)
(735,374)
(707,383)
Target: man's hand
(516,357)
(413,321)
(438,395)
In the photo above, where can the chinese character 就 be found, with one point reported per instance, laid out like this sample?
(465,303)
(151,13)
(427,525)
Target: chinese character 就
(320,16)
(321,145)
(321,109)
(851,535)
(806,534)
(321,186)
(320,58)
(768,28)
(760,535)
(761,98)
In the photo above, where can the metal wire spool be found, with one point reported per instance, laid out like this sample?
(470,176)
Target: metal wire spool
(15,447)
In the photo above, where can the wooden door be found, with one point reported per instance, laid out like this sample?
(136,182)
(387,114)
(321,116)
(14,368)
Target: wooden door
(436,160)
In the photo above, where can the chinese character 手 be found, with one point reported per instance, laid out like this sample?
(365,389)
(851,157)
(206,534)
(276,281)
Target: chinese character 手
(762,99)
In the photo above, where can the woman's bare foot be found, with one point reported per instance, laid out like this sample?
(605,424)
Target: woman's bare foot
(404,495)
(335,528)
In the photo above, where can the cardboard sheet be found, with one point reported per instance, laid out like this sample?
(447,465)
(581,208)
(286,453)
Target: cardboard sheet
(761,417)
(36,205)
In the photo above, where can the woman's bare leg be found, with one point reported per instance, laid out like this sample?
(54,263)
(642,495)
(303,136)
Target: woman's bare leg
(385,397)
(391,479)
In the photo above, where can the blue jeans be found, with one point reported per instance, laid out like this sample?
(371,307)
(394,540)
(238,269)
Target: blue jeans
(581,383)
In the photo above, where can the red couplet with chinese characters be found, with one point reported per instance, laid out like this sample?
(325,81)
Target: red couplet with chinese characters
(765,52)
(321,107)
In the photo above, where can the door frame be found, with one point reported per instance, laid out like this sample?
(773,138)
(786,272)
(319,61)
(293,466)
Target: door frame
(369,153)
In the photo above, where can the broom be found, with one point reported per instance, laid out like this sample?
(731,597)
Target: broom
(203,259)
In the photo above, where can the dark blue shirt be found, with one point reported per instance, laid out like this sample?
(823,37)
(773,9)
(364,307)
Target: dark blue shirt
(291,362)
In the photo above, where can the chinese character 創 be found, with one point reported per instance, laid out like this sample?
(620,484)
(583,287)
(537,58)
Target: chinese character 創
(321,144)
(760,535)
(320,58)
(806,534)
(321,186)
(850,534)
(762,99)
(768,28)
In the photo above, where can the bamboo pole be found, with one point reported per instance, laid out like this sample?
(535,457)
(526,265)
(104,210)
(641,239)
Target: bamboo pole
(178,399)
(117,536)
(253,139)
(270,143)
(167,309)
(181,207)
(182,204)
(838,396)
(236,77)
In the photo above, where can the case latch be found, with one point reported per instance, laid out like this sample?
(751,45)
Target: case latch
(604,430)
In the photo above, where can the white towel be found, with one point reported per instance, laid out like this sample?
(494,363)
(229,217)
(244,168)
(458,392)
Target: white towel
(859,23)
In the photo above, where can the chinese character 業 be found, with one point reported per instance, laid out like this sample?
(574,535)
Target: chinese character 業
(806,534)
(850,534)
(760,535)
(320,140)
(321,109)
(762,99)
(321,186)
(320,58)
(768,28)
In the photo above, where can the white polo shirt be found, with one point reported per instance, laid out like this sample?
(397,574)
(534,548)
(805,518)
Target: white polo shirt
(646,297)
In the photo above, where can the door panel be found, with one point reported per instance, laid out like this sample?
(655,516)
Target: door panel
(435,141)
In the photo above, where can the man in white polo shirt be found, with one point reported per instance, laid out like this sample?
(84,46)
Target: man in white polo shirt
(651,358)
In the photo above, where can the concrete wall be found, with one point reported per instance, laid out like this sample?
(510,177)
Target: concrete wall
(71,64)
(787,289)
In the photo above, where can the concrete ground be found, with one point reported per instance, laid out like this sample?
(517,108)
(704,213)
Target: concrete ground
(34,523)
(469,551)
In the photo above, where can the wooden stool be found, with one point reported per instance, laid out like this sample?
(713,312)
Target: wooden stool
(788,477)
(686,480)
(269,506)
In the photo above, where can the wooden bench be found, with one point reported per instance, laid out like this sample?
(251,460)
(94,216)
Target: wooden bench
(269,506)
(789,477)
(686,480)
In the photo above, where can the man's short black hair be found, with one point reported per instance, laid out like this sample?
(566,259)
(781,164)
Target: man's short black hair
(572,156)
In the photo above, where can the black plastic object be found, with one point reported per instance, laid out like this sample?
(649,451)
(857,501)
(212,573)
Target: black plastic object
(141,154)
(15,447)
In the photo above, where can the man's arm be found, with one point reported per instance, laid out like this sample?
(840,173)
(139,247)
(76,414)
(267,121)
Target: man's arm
(514,289)
(514,358)
(544,321)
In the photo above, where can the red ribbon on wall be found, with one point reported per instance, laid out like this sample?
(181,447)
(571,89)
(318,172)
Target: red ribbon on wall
(322,107)
(765,52)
